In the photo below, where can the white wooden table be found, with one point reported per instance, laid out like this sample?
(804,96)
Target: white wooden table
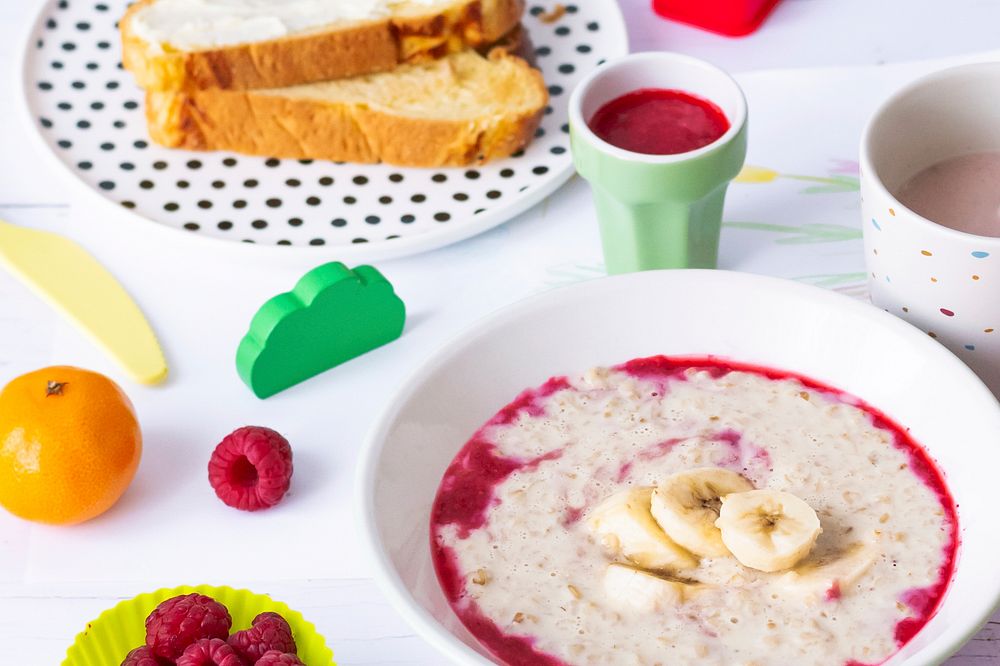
(41,611)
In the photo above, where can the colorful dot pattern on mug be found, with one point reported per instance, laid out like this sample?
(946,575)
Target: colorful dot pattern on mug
(876,224)
(979,254)
(927,253)
(947,313)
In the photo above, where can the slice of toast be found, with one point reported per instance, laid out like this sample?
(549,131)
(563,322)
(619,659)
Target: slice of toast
(413,32)
(462,109)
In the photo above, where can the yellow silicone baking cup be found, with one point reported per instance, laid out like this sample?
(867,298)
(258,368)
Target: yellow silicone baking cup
(110,637)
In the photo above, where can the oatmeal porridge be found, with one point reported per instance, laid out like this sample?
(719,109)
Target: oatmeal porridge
(682,511)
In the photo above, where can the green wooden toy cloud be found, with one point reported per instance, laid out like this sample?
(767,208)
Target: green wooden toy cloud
(334,314)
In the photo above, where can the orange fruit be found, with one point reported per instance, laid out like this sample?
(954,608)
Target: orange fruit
(69,445)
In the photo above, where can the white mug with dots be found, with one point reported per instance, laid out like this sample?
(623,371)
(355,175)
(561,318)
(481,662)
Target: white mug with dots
(934,148)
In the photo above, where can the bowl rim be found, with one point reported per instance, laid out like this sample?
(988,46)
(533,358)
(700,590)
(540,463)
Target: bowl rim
(385,574)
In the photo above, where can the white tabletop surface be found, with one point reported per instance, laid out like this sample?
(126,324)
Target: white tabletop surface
(170,530)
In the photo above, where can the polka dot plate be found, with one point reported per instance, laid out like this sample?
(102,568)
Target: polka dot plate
(89,113)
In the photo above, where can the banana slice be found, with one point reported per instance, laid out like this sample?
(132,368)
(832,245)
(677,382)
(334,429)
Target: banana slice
(642,591)
(831,576)
(768,530)
(686,505)
(626,528)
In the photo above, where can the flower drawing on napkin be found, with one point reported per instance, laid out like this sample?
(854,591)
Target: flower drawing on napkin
(843,177)
(802,234)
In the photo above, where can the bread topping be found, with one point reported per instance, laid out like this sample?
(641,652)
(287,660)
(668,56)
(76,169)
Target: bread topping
(189,25)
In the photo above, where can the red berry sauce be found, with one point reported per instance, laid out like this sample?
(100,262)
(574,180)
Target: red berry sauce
(657,121)
(467,493)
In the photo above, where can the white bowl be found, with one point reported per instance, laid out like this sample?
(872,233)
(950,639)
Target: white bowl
(785,325)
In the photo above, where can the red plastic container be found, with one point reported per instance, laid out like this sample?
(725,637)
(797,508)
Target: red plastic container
(734,18)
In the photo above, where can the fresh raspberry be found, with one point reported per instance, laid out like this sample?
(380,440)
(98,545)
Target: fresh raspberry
(267,632)
(251,469)
(210,652)
(142,656)
(275,658)
(180,621)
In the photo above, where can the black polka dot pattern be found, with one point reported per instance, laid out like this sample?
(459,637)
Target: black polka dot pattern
(89,110)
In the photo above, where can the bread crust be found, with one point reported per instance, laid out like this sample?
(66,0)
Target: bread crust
(272,125)
(360,48)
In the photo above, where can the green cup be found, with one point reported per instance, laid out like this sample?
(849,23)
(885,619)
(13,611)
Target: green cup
(658,211)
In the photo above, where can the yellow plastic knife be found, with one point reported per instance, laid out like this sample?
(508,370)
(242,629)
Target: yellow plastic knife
(75,284)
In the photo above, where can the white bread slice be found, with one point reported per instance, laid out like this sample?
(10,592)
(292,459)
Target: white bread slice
(458,110)
(412,33)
